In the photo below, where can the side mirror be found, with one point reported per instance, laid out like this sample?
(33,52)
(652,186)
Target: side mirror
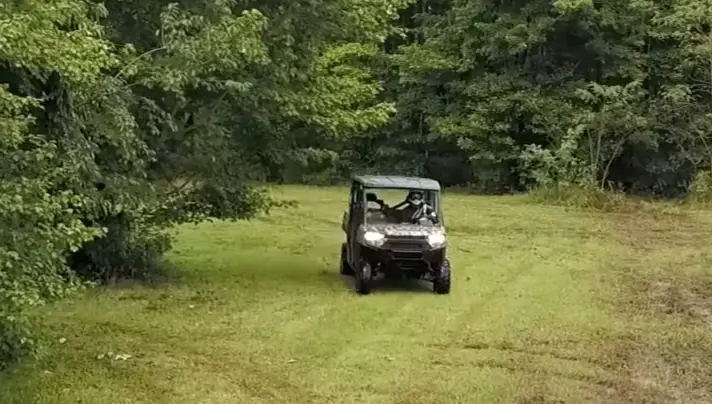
(345,222)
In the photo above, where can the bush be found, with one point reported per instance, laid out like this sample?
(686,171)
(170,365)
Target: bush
(128,251)
(580,196)
(700,190)
(15,337)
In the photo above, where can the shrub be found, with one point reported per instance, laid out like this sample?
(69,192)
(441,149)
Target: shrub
(700,190)
(581,196)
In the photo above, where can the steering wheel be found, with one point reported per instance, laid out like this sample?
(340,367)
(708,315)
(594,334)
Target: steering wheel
(422,214)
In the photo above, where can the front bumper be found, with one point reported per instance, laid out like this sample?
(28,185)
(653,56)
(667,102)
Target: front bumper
(403,256)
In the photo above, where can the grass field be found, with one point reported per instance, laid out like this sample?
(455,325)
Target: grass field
(548,306)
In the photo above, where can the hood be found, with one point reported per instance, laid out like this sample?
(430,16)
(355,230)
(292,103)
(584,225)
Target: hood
(395,230)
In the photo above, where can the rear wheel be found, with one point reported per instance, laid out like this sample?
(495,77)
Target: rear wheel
(441,285)
(364,276)
(344,266)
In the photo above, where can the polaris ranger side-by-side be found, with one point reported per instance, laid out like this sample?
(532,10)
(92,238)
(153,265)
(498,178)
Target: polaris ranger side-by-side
(407,239)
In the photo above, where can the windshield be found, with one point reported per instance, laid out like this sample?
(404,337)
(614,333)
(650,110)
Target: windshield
(401,206)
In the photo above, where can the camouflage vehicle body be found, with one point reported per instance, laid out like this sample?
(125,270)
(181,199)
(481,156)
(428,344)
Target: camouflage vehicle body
(415,250)
(403,230)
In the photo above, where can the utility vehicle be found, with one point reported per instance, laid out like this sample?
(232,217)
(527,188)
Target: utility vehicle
(407,240)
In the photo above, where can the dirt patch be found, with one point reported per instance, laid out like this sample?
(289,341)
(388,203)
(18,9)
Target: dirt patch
(538,399)
(667,276)
(673,298)
(668,271)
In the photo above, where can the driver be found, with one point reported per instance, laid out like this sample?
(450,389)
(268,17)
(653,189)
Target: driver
(414,208)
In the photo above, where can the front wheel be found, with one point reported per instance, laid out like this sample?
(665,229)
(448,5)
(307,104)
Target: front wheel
(441,285)
(364,276)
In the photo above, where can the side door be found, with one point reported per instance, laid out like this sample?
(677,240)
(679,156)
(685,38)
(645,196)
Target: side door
(346,218)
(355,218)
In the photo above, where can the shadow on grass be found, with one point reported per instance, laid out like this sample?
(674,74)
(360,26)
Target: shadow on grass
(382,284)
(167,274)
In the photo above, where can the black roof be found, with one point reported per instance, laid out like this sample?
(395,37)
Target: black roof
(397,181)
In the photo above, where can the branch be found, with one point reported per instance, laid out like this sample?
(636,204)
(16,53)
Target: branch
(137,58)
(618,147)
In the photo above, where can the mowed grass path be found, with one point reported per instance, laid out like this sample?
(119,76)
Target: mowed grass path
(543,310)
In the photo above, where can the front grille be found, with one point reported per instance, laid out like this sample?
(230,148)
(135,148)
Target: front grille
(407,255)
(406,244)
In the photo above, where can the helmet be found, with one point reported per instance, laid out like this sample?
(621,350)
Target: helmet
(415,198)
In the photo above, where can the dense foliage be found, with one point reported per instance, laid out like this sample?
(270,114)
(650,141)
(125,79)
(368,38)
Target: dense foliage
(508,95)
(122,119)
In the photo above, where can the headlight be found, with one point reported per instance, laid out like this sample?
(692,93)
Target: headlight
(436,240)
(373,238)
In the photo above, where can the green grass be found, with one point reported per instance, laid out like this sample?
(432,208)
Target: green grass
(548,305)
